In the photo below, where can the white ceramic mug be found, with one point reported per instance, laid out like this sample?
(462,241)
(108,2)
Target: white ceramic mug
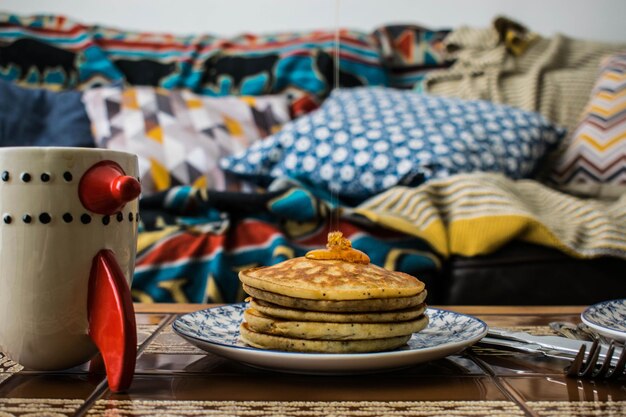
(60,210)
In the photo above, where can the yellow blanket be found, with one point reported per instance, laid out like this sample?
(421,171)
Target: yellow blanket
(473,214)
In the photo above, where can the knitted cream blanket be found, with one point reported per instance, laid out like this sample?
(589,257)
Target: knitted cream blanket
(554,76)
(473,214)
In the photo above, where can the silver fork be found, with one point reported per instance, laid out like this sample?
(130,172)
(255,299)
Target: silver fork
(588,368)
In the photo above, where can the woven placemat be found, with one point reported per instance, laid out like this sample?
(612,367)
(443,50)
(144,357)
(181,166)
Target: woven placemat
(536,330)
(144,331)
(306,408)
(578,408)
(168,342)
(32,407)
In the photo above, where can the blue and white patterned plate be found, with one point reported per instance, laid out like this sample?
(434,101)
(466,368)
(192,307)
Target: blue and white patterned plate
(216,330)
(607,318)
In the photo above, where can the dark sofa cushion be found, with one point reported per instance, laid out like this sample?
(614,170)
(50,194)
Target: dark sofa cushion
(38,117)
(527,274)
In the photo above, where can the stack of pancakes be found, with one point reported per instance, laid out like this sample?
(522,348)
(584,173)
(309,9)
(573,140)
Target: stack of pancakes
(332,306)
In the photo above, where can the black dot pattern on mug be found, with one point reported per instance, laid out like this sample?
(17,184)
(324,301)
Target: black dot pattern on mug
(46,218)
(27,177)
(85,218)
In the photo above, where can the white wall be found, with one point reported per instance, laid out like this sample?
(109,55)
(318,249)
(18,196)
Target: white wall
(588,19)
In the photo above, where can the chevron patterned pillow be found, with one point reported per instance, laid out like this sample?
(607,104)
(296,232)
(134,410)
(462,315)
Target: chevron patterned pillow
(594,162)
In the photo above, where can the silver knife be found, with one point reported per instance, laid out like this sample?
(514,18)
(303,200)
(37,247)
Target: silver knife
(563,345)
(515,345)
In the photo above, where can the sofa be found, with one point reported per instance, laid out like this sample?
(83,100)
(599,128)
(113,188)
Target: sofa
(488,162)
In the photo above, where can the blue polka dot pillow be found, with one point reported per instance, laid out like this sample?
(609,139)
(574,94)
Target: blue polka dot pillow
(362,141)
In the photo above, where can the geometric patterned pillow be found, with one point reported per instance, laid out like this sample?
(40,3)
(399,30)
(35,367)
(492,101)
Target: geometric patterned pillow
(178,136)
(363,140)
(596,154)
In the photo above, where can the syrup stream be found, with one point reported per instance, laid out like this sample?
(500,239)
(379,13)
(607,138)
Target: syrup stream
(334,197)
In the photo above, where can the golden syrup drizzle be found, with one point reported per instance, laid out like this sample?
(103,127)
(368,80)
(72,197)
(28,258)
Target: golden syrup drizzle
(334,197)
(338,248)
(337,44)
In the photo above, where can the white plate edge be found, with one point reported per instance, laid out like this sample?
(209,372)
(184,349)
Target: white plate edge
(605,331)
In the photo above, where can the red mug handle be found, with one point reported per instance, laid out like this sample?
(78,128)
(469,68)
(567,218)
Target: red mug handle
(112,320)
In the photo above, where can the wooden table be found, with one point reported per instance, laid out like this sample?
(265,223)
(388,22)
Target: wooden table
(175,378)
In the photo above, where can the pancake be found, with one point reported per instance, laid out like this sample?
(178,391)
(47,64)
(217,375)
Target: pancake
(262,323)
(331,300)
(338,306)
(332,280)
(265,341)
(277,311)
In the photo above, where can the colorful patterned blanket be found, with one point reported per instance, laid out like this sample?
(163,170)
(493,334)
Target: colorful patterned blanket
(194,242)
(474,214)
(55,52)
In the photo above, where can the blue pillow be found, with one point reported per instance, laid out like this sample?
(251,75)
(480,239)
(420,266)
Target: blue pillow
(38,117)
(365,140)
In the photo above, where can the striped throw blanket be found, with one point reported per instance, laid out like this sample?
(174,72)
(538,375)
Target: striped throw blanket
(473,214)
